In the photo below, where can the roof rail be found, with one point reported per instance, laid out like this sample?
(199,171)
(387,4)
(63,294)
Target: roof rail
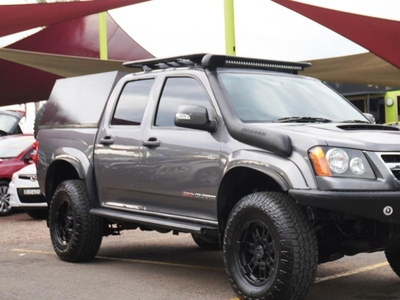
(214,61)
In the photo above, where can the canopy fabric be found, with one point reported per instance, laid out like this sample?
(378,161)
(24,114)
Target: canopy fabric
(16,18)
(62,65)
(379,36)
(364,68)
(355,69)
(31,66)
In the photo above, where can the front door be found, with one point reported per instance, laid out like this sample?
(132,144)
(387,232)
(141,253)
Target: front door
(180,168)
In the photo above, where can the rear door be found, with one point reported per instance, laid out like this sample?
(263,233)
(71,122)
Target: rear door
(118,148)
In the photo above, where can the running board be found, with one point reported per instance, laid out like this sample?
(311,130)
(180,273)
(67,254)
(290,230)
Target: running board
(173,224)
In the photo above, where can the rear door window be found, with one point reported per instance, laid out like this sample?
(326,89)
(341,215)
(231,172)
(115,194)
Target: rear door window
(132,103)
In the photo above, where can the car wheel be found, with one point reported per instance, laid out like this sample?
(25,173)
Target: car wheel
(393,258)
(37,214)
(206,242)
(5,207)
(76,235)
(270,248)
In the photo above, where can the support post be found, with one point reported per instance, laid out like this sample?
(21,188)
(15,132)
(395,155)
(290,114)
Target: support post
(230,47)
(103,36)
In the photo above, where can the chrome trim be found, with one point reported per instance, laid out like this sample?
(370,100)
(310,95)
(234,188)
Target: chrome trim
(142,210)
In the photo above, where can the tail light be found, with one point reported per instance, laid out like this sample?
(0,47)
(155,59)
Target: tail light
(35,152)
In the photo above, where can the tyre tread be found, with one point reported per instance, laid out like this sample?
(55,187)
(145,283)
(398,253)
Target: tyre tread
(293,221)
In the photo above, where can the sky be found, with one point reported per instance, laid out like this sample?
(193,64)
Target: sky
(263,29)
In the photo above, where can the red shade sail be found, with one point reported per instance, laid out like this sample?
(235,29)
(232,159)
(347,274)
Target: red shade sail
(78,37)
(16,18)
(379,36)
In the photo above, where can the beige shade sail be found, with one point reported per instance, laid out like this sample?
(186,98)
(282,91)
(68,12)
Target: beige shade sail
(61,65)
(364,68)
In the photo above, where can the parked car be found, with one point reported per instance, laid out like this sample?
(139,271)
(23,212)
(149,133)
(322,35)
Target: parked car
(15,153)
(25,193)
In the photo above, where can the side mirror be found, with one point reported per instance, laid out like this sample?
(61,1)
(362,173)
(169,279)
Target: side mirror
(195,117)
(370,117)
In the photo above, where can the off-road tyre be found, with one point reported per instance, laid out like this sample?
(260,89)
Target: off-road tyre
(5,207)
(38,117)
(37,214)
(76,235)
(270,248)
(393,258)
(206,242)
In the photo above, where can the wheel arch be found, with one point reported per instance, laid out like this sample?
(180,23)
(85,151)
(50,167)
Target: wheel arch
(67,165)
(248,171)
(240,181)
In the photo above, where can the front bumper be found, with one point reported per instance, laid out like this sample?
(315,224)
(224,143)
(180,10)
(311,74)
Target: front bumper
(19,199)
(380,206)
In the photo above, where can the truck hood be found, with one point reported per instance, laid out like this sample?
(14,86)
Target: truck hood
(369,137)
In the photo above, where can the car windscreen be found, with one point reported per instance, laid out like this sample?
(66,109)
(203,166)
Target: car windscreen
(270,97)
(7,122)
(12,147)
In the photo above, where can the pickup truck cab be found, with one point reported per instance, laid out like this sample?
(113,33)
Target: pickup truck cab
(276,168)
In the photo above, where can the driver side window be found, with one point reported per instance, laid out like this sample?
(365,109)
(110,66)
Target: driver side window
(180,91)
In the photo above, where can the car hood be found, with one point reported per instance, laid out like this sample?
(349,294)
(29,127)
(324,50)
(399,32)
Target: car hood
(28,170)
(369,137)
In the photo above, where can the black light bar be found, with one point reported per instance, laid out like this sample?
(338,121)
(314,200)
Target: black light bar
(214,61)
(169,62)
(210,61)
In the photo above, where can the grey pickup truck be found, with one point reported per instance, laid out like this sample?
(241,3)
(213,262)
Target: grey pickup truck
(275,168)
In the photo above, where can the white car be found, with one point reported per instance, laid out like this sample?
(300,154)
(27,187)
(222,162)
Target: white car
(25,193)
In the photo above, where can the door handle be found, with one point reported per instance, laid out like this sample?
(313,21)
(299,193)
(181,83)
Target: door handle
(107,140)
(151,142)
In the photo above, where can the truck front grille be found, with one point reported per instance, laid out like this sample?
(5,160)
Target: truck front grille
(392,161)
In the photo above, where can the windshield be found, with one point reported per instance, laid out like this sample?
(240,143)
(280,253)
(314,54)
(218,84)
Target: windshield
(7,122)
(13,146)
(273,98)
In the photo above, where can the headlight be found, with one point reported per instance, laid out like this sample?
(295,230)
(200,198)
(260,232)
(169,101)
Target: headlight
(340,162)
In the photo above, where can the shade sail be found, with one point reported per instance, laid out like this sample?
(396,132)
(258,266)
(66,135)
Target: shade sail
(16,18)
(354,69)
(62,65)
(30,67)
(364,68)
(379,36)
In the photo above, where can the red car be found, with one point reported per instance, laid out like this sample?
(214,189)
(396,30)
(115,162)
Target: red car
(15,153)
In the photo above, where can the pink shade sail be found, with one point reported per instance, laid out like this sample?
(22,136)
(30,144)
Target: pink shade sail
(379,36)
(16,18)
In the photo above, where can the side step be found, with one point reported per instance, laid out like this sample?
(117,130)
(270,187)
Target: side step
(169,223)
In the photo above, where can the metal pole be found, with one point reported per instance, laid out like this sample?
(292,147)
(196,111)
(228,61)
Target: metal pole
(103,36)
(230,47)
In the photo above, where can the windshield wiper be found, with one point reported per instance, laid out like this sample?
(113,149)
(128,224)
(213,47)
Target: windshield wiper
(303,120)
(354,121)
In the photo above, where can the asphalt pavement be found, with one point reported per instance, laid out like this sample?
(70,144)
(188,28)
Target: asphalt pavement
(150,265)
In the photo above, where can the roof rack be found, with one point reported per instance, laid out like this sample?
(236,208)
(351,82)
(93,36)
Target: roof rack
(213,61)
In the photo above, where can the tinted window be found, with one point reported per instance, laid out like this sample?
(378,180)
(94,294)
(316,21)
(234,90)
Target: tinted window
(176,92)
(132,103)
